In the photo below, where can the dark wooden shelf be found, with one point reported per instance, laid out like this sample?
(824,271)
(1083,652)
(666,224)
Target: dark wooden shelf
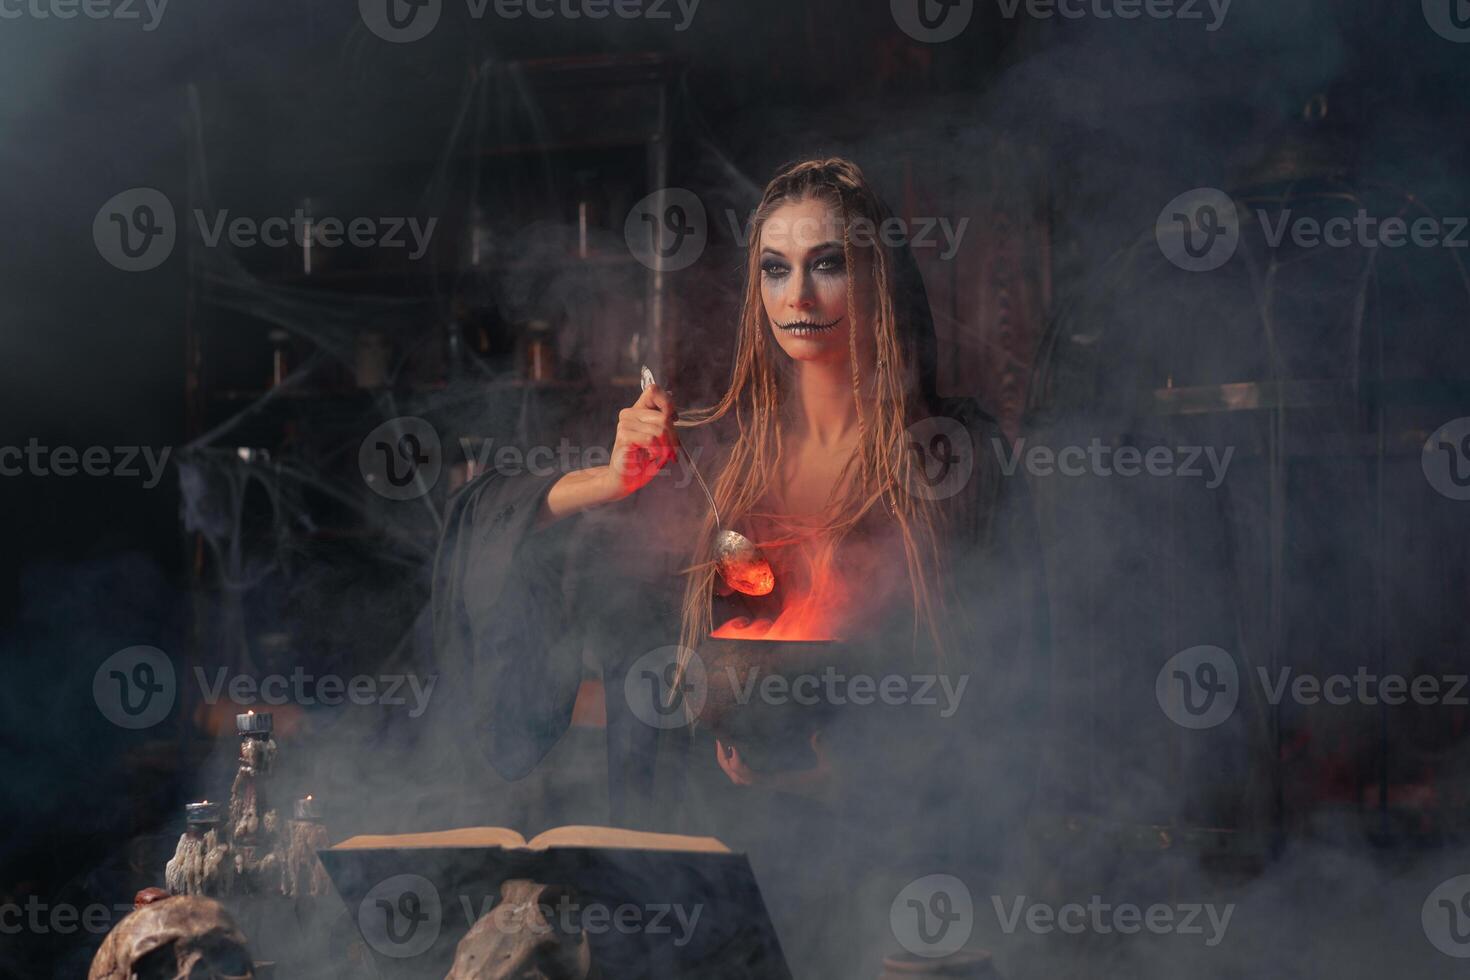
(363,394)
(1249,396)
(353,279)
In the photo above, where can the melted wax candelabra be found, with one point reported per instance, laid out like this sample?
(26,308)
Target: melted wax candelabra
(201,864)
(254,852)
(255,829)
(306,835)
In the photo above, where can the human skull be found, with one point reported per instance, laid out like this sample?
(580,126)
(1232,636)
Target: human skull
(187,937)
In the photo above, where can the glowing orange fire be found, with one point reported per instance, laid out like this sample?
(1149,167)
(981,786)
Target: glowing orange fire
(754,580)
(816,613)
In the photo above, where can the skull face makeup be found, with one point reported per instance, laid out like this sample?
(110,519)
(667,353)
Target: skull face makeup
(187,937)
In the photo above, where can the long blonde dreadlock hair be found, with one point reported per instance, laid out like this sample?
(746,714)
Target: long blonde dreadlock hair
(892,391)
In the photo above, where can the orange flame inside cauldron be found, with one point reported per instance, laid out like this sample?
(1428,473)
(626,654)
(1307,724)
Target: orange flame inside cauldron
(816,613)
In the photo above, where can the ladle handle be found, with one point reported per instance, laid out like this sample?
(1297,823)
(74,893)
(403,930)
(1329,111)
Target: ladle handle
(644,380)
(709,496)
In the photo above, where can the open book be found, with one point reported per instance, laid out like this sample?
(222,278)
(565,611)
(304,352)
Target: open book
(415,895)
(572,836)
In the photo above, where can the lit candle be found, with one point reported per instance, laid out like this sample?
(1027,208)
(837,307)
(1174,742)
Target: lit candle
(201,814)
(251,723)
(308,808)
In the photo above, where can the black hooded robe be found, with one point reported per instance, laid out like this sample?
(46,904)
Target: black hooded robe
(520,612)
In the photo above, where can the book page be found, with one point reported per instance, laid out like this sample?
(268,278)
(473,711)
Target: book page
(463,837)
(573,836)
(615,837)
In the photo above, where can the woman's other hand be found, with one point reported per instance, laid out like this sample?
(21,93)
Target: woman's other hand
(814,782)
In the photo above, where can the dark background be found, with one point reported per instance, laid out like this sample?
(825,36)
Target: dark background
(1060,140)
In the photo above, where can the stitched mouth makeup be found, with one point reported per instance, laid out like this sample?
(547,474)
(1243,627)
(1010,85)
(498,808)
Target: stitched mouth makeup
(808,328)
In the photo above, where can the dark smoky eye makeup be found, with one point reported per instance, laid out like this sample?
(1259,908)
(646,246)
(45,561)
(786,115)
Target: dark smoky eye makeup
(826,263)
(772,265)
(829,262)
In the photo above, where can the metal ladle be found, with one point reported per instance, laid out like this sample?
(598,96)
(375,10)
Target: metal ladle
(737,559)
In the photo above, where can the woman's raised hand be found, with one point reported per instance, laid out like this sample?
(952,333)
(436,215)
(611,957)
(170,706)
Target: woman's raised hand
(645,442)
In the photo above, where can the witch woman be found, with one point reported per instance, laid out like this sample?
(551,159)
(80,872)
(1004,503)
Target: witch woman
(902,567)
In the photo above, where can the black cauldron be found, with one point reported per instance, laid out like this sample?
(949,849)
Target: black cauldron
(766,697)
